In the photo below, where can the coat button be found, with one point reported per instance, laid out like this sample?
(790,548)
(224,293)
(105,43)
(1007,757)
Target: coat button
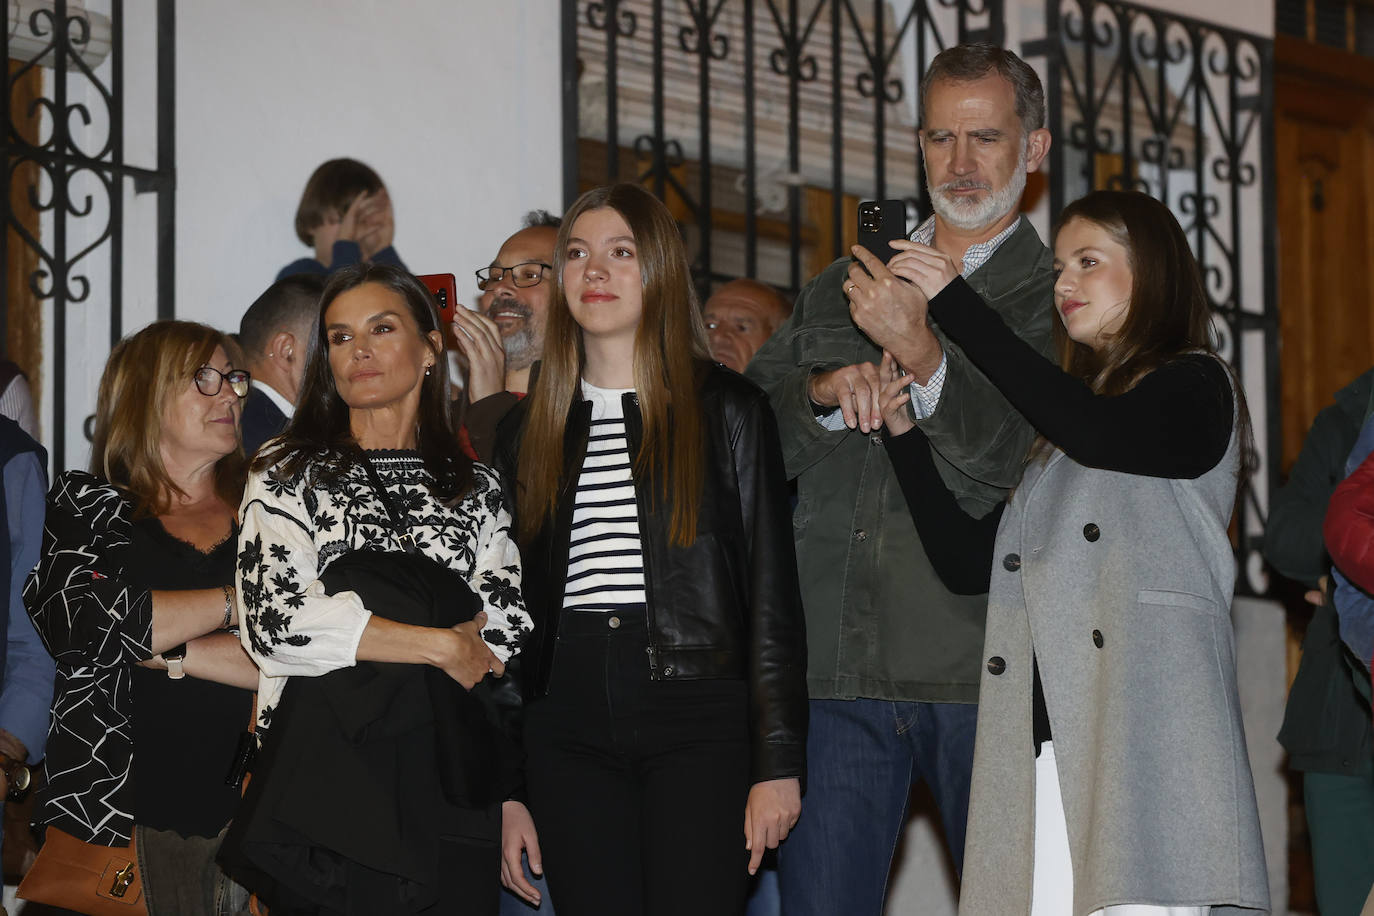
(997,664)
(613,623)
(668,671)
(861,535)
(1091,532)
(1097,638)
(876,439)
(1011,562)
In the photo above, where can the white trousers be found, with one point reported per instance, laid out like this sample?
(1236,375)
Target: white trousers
(1052,885)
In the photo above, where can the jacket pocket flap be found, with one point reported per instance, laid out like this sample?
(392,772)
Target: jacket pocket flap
(1170,598)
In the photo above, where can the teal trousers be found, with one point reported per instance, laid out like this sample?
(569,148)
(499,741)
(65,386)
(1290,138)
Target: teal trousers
(1340,821)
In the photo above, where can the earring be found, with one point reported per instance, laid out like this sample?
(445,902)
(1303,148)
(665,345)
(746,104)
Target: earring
(428,370)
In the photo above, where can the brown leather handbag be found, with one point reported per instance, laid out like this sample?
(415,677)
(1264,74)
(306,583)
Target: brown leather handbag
(90,879)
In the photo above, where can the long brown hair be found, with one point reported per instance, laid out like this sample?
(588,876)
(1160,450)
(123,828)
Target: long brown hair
(321,423)
(1169,313)
(144,373)
(670,345)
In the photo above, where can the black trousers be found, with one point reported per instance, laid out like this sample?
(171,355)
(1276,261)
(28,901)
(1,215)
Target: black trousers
(637,786)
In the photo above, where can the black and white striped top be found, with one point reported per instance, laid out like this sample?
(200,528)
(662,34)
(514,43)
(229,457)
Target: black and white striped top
(605,565)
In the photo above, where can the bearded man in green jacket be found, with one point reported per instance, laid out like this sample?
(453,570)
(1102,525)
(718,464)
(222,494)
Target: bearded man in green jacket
(894,656)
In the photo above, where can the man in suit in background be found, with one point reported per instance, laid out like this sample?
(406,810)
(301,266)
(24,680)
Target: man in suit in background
(275,334)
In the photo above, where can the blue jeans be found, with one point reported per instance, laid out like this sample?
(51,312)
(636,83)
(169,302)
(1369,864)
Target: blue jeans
(862,758)
(763,893)
(512,905)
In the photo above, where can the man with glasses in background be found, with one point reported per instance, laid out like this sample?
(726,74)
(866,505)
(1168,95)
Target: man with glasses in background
(504,336)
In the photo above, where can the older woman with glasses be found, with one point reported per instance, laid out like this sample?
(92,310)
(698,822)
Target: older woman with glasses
(134,599)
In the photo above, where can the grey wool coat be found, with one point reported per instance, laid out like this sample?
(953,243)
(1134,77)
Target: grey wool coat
(1121,586)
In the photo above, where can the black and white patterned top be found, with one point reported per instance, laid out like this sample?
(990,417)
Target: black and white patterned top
(96,625)
(605,558)
(293,529)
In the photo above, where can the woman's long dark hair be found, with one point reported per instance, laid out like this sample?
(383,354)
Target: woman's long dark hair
(669,350)
(1169,314)
(320,424)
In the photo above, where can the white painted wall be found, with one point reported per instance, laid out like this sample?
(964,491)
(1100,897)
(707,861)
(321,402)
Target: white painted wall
(456,104)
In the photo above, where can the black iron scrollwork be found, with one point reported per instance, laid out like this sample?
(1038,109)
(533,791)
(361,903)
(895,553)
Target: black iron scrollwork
(65,166)
(829,68)
(703,22)
(1181,109)
(613,14)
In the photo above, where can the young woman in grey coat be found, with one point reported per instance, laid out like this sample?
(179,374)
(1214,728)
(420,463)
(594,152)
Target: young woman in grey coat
(1110,773)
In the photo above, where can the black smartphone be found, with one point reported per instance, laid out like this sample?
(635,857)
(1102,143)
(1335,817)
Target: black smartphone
(880,222)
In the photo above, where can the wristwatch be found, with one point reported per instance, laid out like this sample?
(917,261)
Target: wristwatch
(174,658)
(19,776)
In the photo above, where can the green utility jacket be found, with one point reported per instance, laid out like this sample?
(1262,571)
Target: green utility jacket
(879,623)
(1326,727)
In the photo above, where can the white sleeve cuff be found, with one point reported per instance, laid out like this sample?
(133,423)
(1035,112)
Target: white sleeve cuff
(925,398)
(833,420)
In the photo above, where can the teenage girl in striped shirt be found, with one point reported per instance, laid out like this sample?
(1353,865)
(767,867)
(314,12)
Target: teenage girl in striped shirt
(666,693)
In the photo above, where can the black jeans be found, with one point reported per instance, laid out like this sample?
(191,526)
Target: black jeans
(637,786)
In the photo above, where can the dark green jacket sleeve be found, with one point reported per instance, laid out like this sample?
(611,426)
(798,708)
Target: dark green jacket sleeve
(819,336)
(1293,536)
(974,428)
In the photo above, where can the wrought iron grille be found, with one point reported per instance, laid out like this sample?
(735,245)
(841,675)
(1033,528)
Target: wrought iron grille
(736,111)
(768,105)
(1183,110)
(70,178)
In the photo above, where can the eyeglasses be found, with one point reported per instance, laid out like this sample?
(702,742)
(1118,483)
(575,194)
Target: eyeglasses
(523,275)
(210,380)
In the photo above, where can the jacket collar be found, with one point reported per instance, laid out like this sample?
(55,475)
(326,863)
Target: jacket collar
(1021,259)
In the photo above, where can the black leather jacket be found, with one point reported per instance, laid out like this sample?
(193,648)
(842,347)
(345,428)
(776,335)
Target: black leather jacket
(728,605)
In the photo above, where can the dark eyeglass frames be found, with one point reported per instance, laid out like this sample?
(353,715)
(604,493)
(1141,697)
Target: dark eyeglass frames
(210,380)
(525,274)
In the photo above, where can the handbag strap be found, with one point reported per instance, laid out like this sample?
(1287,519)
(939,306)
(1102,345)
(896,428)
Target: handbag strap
(397,518)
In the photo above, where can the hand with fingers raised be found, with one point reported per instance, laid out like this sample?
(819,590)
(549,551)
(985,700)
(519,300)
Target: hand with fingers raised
(895,394)
(479,340)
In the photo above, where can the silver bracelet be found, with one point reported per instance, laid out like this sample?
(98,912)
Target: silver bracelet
(228,606)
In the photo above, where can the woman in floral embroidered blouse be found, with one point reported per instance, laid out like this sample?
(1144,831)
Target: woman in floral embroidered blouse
(371,461)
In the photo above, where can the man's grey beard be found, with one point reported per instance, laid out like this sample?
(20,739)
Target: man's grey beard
(521,347)
(968,214)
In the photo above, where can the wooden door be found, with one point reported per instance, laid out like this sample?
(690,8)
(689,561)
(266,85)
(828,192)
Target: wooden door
(23,339)
(1324,168)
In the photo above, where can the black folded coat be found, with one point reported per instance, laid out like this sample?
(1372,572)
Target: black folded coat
(366,769)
